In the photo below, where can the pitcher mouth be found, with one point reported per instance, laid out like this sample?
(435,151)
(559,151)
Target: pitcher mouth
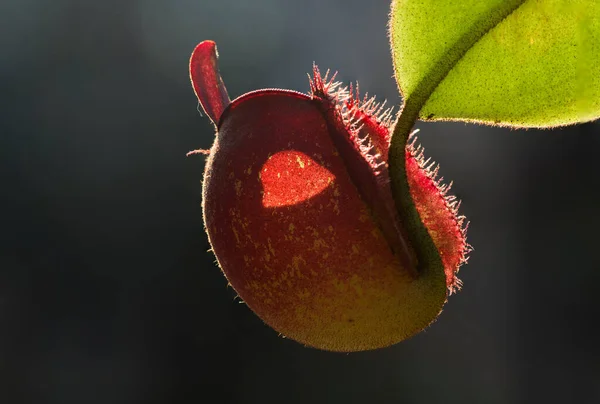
(360,131)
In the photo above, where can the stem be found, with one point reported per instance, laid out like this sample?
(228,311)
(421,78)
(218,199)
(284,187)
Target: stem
(427,255)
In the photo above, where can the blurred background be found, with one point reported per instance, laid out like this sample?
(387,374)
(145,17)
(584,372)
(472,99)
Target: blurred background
(108,293)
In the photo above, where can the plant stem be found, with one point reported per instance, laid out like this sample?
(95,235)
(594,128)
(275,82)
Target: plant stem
(418,238)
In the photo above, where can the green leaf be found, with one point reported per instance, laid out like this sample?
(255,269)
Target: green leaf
(523,63)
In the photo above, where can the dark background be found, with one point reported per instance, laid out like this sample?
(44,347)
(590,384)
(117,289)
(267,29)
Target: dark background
(108,293)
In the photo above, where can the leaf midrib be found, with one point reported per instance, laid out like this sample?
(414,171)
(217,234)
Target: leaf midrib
(443,66)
